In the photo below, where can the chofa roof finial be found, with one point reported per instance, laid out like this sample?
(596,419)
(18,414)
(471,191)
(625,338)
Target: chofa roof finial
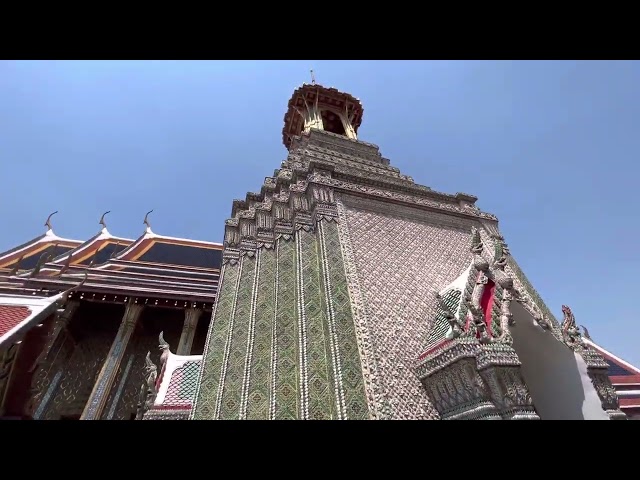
(102,222)
(148,363)
(165,349)
(164,345)
(313,77)
(48,222)
(146,220)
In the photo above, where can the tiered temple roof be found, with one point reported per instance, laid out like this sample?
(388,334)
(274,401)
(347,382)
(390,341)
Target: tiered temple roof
(624,377)
(156,269)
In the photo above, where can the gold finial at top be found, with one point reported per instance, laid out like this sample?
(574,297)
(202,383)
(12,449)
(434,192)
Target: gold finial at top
(313,78)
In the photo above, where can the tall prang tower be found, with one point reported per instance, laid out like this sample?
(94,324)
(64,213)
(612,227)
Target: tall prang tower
(350,292)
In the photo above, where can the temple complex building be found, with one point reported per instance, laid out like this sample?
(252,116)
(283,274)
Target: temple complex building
(624,377)
(78,318)
(342,290)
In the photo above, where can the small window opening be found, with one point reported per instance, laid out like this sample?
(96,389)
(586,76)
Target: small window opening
(332,123)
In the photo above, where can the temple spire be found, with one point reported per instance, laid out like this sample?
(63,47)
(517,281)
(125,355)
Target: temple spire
(313,78)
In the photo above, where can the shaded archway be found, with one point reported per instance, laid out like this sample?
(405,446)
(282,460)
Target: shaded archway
(332,122)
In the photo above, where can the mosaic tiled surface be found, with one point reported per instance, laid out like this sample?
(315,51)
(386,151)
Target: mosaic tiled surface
(515,271)
(317,380)
(258,390)
(221,324)
(286,366)
(234,366)
(351,384)
(496,331)
(160,414)
(440,323)
(10,316)
(306,365)
(402,262)
(182,387)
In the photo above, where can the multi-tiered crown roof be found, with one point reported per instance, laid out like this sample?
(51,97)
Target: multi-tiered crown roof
(322,108)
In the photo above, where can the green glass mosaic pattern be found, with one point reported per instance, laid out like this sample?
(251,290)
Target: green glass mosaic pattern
(329,330)
(221,323)
(287,368)
(496,330)
(321,402)
(182,387)
(235,365)
(532,291)
(440,325)
(354,395)
(259,381)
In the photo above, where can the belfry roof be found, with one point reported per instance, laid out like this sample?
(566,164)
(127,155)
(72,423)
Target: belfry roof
(327,96)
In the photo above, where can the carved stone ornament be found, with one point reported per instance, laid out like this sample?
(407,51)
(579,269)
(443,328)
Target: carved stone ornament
(597,367)
(148,390)
(570,330)
(455,325)
(474,373)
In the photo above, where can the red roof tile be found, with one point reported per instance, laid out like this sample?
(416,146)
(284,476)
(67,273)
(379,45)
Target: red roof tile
(10,316)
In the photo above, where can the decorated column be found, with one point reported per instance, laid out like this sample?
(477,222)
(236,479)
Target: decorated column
(106,377)
(192,315)
(60,322)
(45,378)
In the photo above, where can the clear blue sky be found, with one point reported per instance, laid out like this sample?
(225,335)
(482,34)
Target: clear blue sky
(551,148)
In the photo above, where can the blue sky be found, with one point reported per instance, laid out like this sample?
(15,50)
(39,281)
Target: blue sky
(550,147)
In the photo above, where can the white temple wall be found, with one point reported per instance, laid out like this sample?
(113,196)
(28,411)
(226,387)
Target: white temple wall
(557,377)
